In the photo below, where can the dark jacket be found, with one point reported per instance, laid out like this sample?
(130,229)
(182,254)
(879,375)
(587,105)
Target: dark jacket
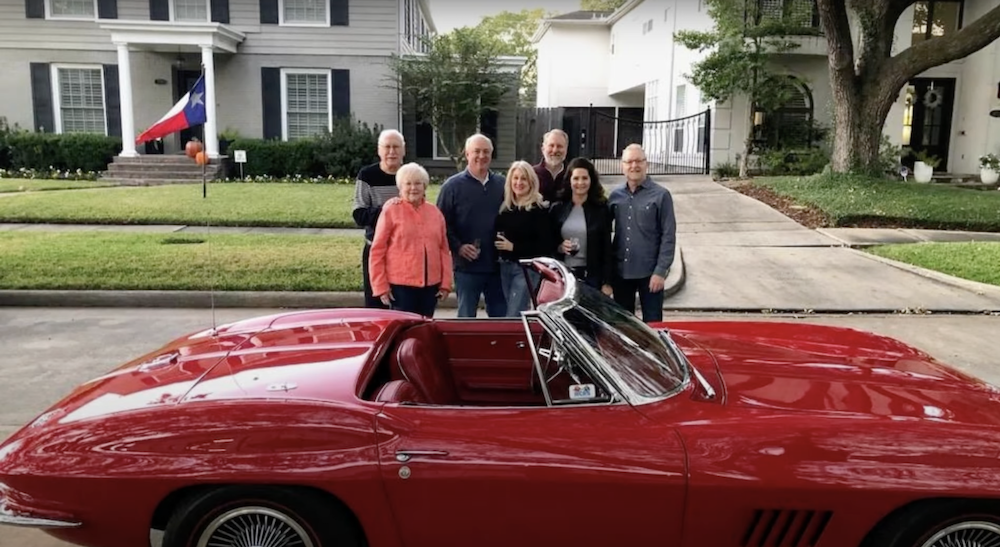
(600,253)
(530,231)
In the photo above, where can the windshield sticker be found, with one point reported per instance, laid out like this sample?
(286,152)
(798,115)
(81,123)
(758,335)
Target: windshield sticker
(581,392)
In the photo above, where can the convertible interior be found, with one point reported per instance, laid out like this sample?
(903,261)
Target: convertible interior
(472,362)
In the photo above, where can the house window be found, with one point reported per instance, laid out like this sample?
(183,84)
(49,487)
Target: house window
(936,18)
(305,12)
(79,99)
(306,102)
(190,10)
(72,9)
(789,126)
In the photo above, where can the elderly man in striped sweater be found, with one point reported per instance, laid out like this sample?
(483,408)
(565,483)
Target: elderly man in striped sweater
(376,184)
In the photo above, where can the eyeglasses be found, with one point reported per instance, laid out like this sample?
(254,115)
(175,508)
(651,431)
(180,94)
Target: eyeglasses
(631,162)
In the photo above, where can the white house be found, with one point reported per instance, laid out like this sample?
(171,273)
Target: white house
(274,69)
(633,62)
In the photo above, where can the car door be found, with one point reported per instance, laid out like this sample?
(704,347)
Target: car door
(564,475)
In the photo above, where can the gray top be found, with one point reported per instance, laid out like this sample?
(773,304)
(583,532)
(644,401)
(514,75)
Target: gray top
(645,229)
(576,226)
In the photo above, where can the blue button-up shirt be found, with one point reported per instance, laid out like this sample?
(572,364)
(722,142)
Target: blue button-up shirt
(645,229)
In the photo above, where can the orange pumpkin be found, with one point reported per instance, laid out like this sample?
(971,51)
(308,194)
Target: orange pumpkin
(192,148)
(201,158)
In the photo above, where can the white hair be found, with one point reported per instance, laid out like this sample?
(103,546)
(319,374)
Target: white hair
(387,133)
(557,131)
(468,141)
(411,170)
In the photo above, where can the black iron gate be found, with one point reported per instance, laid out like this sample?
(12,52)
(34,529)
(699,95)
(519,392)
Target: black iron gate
(673,147)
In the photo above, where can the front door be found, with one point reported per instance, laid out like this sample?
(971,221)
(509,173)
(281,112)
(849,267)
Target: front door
(927,121)
(185,80)
(501,477)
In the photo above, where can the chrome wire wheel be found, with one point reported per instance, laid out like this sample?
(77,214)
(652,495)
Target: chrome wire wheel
(254,527)
(966,534)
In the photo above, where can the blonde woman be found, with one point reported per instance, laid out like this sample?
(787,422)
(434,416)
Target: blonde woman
(410,261)
(523,230)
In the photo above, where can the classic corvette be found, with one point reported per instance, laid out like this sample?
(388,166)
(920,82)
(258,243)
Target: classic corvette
(575,424)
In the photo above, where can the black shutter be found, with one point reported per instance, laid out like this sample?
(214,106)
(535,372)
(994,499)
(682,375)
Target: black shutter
(34,9)
(338,12)
(269,12)
(341,93)
(270,83)
(159,10)
(112,101)
(107,9)
(41,97)
(220,11)
(488,125)
(425,140)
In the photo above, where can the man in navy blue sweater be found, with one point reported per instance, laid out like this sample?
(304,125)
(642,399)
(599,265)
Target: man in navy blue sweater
(470,202)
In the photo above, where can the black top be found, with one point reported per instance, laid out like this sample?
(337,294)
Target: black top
(530,231)
(600,253)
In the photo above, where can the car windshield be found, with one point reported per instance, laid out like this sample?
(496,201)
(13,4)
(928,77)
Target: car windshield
(632,350)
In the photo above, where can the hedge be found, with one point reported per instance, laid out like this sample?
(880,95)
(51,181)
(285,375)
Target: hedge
(339,153)
(84,152)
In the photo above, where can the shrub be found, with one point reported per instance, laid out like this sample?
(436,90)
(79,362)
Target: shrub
(5,133)
(339,153)
(802,162)
(61,152)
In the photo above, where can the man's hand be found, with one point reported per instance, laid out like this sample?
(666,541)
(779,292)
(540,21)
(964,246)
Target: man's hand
(606,289)
(656,283)
(468,252)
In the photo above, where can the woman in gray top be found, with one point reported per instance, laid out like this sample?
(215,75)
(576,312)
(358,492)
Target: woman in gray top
(583,223)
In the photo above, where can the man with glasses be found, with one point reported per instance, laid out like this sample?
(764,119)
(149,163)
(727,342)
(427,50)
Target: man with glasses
(645,236)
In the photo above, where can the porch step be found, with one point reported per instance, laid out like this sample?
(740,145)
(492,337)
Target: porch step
(153,169)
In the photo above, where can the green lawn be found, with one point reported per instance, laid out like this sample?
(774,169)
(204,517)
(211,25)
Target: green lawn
(34,185)
(977,261)
(850,200)
(117,261)
(227,204)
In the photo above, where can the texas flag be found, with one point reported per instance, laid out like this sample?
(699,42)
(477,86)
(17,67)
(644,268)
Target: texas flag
(188,112)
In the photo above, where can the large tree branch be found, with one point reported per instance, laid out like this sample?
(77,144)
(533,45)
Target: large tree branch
(938,51)
(837,28)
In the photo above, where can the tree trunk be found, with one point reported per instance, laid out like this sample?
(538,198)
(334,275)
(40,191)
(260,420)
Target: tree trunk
(859,116)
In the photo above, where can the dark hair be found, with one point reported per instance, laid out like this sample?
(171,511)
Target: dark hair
(596,192)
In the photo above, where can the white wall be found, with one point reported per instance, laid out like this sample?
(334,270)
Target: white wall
(573,63)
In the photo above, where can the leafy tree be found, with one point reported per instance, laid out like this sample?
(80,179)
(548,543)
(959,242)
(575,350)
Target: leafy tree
(866,77)
(514,31)
(738,62)
(453,84)
(601,5)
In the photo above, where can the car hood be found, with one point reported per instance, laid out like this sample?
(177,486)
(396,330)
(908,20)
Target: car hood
(812,368)
(306,355)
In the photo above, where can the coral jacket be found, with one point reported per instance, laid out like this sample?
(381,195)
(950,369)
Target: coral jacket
(410,247)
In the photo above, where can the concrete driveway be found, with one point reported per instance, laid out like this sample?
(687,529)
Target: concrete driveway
(742,255)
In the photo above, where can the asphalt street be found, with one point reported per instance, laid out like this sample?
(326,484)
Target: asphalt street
(48,351)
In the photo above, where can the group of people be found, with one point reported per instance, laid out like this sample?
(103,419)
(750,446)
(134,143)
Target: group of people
(483,223)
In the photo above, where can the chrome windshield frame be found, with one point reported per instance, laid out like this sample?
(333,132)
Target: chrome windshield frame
(552,313)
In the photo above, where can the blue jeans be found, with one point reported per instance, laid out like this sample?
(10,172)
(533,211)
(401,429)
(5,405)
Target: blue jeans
(515,287)
(468,288)
(651,303)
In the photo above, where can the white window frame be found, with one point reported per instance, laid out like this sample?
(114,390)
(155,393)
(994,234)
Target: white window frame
(282,22)
(208,12)
(50,15)
(57,98)
(284,96)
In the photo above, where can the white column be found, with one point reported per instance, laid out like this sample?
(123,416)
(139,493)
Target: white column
(125,94)
(211,123)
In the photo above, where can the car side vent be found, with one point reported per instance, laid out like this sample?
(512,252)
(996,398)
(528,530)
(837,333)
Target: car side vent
(786,528)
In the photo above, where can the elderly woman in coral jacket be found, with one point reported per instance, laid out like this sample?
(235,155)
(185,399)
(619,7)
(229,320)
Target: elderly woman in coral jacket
(410,262)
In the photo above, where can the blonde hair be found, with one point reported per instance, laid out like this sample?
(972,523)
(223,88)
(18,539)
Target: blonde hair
(534,196)
(415,170)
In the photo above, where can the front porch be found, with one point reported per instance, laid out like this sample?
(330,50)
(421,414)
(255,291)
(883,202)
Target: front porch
(180,40)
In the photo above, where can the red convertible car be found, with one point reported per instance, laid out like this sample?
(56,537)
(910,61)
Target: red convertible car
(575,424)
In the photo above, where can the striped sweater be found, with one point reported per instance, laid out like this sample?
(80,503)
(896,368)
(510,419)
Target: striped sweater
(372,189)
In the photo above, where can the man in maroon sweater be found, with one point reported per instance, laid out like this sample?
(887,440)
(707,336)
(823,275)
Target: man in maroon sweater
(551,170)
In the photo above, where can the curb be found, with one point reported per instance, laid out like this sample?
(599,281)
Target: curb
(974,286)
(234,299)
